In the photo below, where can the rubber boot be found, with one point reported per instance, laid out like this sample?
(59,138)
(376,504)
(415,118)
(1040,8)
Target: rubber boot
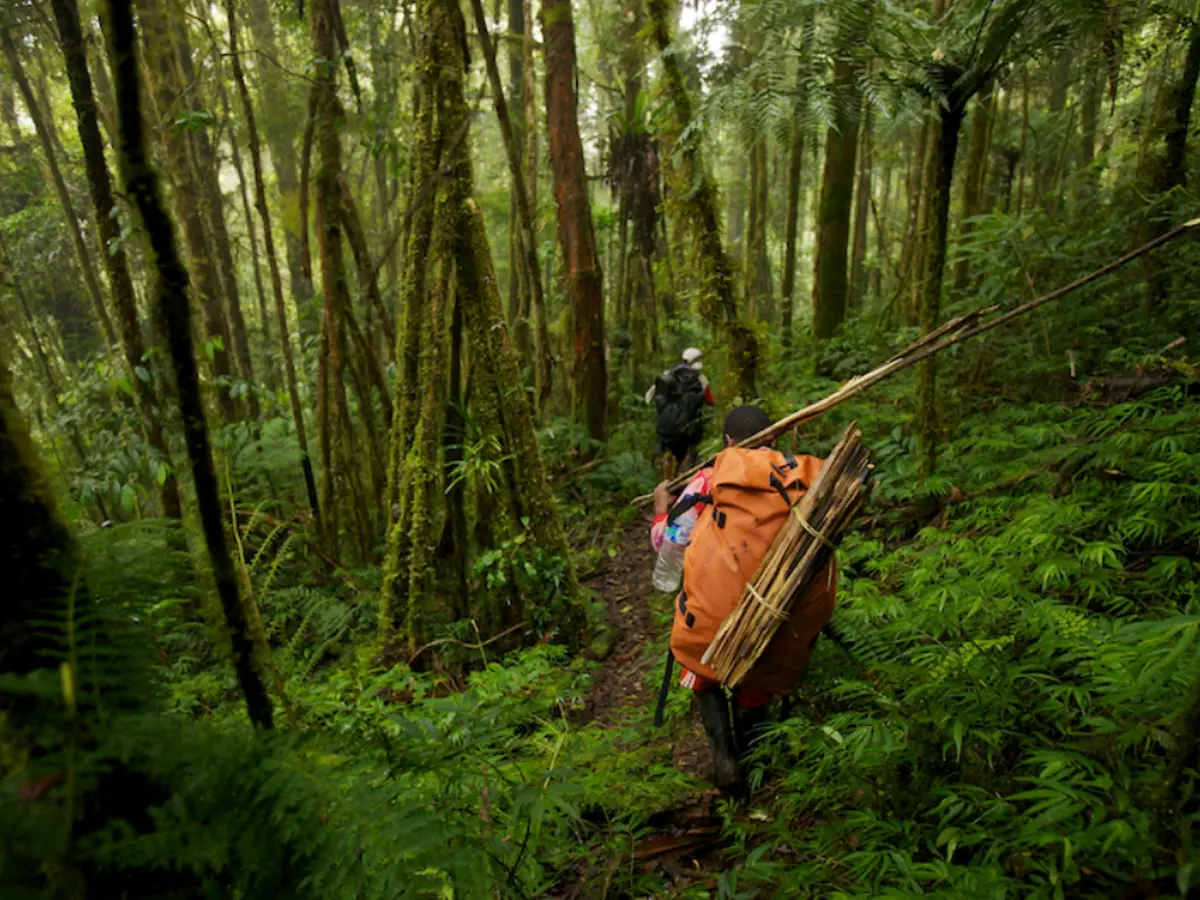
(714,713)
(747,726)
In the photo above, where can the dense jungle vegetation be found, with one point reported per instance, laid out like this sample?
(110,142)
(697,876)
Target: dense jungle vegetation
(324,332)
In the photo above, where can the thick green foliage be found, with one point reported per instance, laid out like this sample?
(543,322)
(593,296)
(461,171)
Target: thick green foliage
(997,720)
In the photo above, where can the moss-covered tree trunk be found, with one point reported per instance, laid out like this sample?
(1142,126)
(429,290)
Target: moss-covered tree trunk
(862,208)
(124,301)
(264,215)
(458,259)
(207,177)
(526,258)
(758,265)
(347,507)
(45,132)
(697,193)
(41,565)
(794,177)
(576,236)
(163,81)
(909,249)
(945,152)
(283,115)
(173,307)
(973,180)
(1177,104)
(830,283)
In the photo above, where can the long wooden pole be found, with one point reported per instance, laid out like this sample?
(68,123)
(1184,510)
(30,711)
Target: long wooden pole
(951,333)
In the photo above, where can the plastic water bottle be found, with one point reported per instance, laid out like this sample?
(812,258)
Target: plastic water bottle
(668,570)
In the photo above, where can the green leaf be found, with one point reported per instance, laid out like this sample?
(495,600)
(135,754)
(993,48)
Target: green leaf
(834,734)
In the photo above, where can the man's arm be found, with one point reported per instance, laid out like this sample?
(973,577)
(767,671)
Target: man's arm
(663,502)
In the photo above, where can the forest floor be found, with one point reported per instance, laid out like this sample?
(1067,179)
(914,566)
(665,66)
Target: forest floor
(683,843)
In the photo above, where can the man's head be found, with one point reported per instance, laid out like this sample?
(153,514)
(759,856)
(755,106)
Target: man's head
(744,421)
(691,356)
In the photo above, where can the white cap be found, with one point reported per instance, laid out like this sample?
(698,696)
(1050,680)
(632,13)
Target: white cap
(690,355)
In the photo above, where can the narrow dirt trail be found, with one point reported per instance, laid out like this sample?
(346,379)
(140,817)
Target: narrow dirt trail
(625,693)
(683,843)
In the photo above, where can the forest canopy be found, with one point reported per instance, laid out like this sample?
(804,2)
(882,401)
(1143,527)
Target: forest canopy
(332,350)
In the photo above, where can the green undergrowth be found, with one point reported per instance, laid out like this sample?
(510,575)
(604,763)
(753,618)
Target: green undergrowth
(995,718)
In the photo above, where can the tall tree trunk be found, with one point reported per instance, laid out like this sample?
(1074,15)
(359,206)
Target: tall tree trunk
(699,199)
(40,559)
(53,387)
(794,178)
(207,174)
(70,38)
(1169,167)
(833,215)
(45,133)
(525,235)
(251,238)
(283,116)
(1177,105)
(945,151)
(105,105)
(972,194)
(795,173)
(576,235)
(517,288)
(758,268)
(915,188)
(882,222)
(343,470)
(264,215)
(862,211)
(1023,149)
(1089,112)
(737,203)
(171,299)
(1046,167)
(163,79)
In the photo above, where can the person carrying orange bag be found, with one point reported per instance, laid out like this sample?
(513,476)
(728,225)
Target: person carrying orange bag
(736,507)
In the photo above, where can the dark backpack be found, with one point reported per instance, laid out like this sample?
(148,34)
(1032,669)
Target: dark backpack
(679,399)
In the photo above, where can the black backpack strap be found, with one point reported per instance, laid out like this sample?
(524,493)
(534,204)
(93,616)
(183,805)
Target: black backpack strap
(685,504)
(662,692)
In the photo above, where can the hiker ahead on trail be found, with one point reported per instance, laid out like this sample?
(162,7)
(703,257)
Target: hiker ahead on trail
(679,396)
(727,518)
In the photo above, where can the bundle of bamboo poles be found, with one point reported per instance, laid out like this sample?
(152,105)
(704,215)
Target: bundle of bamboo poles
(796,557)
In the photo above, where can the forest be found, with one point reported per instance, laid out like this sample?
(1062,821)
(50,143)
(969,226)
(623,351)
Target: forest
(326,335)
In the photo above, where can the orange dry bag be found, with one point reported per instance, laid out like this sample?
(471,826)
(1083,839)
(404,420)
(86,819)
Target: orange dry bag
(752,493)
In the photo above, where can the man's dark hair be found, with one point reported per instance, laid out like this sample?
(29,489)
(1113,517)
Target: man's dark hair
(744,421)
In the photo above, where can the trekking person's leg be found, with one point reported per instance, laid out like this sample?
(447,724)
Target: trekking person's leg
(750,709)
(714,714)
